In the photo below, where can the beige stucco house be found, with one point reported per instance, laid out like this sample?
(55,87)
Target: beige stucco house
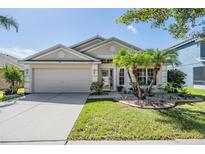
(73,69)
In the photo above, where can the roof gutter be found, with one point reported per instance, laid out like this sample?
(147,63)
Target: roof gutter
(57,62)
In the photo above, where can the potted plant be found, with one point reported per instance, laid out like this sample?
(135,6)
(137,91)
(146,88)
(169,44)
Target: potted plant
(120,88)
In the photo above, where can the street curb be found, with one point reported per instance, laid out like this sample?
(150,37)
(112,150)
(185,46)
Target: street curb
(10,102)
(138,142)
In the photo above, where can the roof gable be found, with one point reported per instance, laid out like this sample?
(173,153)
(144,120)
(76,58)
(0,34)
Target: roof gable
(123,43)
(59,53)
(87,43)
(105,51)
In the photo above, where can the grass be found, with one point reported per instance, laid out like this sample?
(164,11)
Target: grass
(109,120)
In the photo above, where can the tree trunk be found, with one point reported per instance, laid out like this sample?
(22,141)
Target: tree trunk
(129,75)
(12,87)
(139,90)
(156,69)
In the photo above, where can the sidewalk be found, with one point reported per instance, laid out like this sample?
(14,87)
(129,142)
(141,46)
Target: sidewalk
(142,142)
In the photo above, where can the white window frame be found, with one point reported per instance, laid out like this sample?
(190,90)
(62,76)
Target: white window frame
(122,76)
(145,74)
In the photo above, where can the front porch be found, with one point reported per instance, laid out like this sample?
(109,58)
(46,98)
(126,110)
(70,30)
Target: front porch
(114,77)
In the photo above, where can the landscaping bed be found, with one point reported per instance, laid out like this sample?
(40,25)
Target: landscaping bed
(5,98)
(159,100)
(110,120)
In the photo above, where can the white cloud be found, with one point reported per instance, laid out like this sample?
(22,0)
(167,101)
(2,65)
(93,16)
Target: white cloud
(132,29)
(17,52)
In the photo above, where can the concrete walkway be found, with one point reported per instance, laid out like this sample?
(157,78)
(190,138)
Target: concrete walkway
(40,118)
(142,142)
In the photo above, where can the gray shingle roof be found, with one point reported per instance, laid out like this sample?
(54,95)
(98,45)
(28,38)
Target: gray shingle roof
(8,59)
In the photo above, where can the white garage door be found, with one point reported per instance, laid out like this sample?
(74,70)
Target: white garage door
(62,80)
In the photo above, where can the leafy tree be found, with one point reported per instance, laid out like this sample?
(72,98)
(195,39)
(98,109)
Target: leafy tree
(8,22)
(179,22)
(13,76)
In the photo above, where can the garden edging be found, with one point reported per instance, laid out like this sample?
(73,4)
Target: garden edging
(168,105)
(10,102)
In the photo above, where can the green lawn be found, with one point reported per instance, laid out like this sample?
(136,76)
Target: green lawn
(109,120)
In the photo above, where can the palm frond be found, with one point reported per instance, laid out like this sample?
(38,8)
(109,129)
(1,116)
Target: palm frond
(8,22)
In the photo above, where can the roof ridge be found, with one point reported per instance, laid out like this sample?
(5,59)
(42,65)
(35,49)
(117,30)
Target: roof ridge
(110,39)
(87,40)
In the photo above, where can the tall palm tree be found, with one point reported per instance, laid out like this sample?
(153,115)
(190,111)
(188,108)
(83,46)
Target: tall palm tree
(158,59)
(132,60)
(8,22)
(140,59)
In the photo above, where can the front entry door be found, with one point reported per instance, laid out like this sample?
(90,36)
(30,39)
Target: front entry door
(107,76)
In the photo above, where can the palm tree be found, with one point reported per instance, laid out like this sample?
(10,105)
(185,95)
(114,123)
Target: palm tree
(123,60)
(132,60)
(158,59)
(8,22)
(13,76)
(149,58)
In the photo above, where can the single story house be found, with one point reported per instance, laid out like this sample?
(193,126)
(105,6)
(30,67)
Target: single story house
(191,54)
(7,59)
(73,69)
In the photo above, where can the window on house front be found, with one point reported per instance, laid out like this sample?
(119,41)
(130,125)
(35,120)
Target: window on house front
(199,75)
(150,74)
(141,73)
(145,76)
(122,77)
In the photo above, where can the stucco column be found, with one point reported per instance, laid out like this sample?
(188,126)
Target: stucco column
(162,75)
(94,72)
(27,78)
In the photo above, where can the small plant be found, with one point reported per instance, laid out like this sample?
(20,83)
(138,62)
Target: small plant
(97,87)
(1,95)
(170,87)
(120,88)
(14,77)
(20,91)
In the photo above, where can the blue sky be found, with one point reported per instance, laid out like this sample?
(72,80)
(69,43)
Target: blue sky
(42,28)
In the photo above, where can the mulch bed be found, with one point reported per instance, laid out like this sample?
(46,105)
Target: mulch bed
(159,101)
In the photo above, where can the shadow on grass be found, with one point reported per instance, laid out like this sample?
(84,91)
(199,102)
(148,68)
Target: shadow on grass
(200,96)
(100,99)
(185,119)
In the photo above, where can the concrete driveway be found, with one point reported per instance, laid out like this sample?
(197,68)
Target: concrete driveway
(40,118)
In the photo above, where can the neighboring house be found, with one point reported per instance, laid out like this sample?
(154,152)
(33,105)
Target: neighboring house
(7,59)
(73,69)
(191,54)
